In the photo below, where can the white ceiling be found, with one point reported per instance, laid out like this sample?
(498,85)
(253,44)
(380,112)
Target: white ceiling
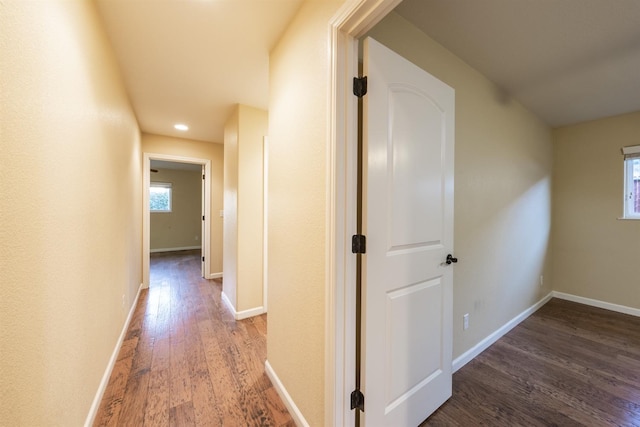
(191,61)
(568,61)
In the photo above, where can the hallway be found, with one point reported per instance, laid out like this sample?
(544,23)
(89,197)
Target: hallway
(186,361)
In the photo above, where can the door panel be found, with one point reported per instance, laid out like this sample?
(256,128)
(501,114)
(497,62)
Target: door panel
(414,320)
(414,219)
(408,219)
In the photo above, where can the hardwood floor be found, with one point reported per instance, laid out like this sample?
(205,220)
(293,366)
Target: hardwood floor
(185,361)
(566,365)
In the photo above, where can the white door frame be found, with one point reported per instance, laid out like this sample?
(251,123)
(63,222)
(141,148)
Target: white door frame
(353,20)
(146,216)
(265,221)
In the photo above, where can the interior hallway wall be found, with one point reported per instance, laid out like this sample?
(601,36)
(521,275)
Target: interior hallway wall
(244,215)
(503,165)
(182,147)
(298,179)
(70,213)
(595,255)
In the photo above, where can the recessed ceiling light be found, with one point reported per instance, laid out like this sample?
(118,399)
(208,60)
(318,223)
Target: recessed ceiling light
(181,126)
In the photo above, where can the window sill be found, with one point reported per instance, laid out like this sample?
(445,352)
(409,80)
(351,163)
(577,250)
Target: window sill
(628,219)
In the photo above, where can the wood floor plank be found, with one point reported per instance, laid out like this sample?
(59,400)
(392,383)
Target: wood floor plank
(205,409)
(222,379)
(550,406)
(189,361)
(277,409)
(163,318)
(134,401)
(128,348)
(179,381)
(161,358)
(157,408)
(111,405)
(182,415)
(582,362)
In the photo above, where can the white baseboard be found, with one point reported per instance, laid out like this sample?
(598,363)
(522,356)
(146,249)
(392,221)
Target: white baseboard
(182,248)
(95,405)
(227,302)
(295,413)
(215,276)
(470,354)
(597,303)
(244,314)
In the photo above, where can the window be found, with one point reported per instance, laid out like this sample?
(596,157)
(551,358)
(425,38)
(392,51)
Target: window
(160,197)
(631,181)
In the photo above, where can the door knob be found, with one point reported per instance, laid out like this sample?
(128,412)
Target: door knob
(451,259)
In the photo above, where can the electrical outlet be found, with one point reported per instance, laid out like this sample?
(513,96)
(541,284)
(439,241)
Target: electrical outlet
(465,322)
(196,238)
(541,280)
(124,303)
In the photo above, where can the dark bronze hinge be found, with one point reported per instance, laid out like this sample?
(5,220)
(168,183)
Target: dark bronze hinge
(359,244)
(357,400)
(360,86)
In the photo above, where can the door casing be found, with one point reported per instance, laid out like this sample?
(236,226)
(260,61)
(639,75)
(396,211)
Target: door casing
(351,22)
(146,216)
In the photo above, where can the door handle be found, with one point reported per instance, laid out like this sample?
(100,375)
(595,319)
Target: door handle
(451,259)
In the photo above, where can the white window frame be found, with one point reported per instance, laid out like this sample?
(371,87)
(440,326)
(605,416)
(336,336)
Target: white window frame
(161,185)
(630,153)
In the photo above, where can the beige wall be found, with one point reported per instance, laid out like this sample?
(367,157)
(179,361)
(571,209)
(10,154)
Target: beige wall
(181,147)
(253,125)
(595,255)
(182,227)
(230,242)
(71,210)
(243,227)
(298,138)
(503,166)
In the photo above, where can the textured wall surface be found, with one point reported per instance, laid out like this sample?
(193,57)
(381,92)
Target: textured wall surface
(230,234)
(595,255)
(298,139)
(253,128)
(70,212)
(244,215)
(182,227)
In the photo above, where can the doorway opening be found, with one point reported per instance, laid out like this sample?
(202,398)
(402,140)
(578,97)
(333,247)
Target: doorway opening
(181,209)
(175,207)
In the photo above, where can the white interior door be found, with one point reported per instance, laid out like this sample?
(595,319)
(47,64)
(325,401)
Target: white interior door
(408,220)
